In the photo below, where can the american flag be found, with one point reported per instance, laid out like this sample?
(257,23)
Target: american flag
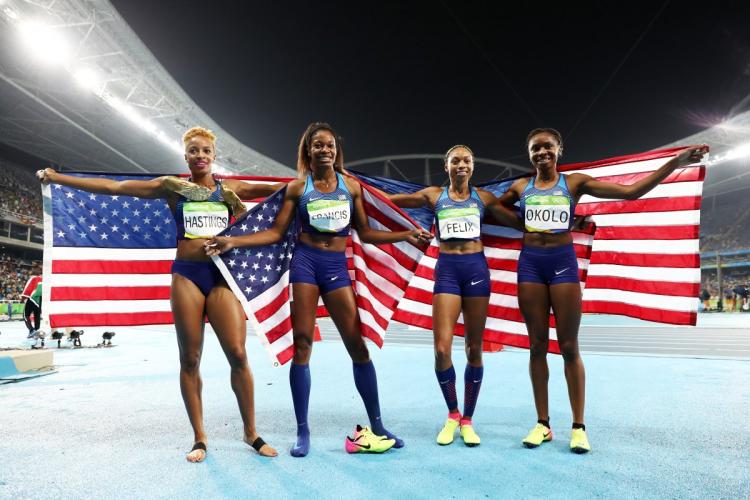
(107,259)
(636,258)
(259,276)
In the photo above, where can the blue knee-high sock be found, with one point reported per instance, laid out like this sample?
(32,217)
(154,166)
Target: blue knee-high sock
(447,381)
(299,380)
(472,384)
(367,384)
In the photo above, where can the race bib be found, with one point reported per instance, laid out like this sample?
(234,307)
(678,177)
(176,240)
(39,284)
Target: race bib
(204,219)
(545,213)
(329,216)
(461,223)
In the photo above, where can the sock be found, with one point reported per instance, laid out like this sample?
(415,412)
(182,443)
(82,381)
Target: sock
(454,415)
(579,426)
(447,381)
(366,381)
(299,380)
(472,384)
(544,423)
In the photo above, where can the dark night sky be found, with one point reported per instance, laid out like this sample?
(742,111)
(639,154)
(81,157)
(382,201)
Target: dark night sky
(417,77)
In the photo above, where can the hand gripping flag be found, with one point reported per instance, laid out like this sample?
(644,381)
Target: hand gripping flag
(259,276)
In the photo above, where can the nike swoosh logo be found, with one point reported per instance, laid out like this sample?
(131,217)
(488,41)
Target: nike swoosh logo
(476,282)
(354,442)
(562,271)
(477,381)
(315,199)
(547,435)
(334,278)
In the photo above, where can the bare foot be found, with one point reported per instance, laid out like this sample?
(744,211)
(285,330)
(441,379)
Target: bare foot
(198,453)
(264,450)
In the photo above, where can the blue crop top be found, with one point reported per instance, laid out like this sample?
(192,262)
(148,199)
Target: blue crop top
(326,213)
(459,220)
(548,210)
(201,219)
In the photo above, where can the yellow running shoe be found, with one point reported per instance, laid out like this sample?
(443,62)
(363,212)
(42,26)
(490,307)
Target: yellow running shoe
(579,443)
(469,436)
(539,434)
(445,436)
(365,441)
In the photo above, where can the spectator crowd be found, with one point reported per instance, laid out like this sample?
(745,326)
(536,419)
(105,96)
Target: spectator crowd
(20,196)
(14,272)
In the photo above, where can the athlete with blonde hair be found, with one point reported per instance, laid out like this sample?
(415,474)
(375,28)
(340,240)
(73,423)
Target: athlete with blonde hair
(202,206)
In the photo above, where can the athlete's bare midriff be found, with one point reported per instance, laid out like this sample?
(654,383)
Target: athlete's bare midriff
(324,242)
(192,250)
(549,240)
(461,247)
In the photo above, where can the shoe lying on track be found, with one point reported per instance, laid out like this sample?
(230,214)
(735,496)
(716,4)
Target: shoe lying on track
(364,441)
(539,434)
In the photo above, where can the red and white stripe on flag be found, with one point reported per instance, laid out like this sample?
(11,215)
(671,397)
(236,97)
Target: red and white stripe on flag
(380,275)
(642,261)
(99,286)
(502,245)
(645,260)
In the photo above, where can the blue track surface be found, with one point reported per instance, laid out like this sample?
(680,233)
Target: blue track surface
(111,424)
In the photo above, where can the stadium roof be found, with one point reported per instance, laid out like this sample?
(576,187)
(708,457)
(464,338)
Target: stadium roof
(100,101)
(103,102)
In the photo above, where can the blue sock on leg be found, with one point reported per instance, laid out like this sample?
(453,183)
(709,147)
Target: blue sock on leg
(447,381)
(472,383)
(299,380)
(367,384)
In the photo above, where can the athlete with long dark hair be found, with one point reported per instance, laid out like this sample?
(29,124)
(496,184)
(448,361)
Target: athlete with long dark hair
(328,204)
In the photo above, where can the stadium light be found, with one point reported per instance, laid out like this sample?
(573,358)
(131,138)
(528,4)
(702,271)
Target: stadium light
(10,13)
(741,151)
(49,46)
(88,79)
(45,43)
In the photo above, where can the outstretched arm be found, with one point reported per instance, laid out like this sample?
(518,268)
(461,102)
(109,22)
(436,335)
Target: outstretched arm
(368,235)
(247,191)
(500,211)
(513,194)
(417,199)
(600,189)
(220,244)
(142,189)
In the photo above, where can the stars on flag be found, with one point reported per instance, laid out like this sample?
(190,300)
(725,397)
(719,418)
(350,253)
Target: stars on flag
(80,220)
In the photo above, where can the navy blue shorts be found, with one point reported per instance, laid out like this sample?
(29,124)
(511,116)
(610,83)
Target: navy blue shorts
(327,270)
(204,274)
(466,275)
(548,266)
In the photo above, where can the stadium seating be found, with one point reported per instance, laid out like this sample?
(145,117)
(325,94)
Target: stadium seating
(20,197)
